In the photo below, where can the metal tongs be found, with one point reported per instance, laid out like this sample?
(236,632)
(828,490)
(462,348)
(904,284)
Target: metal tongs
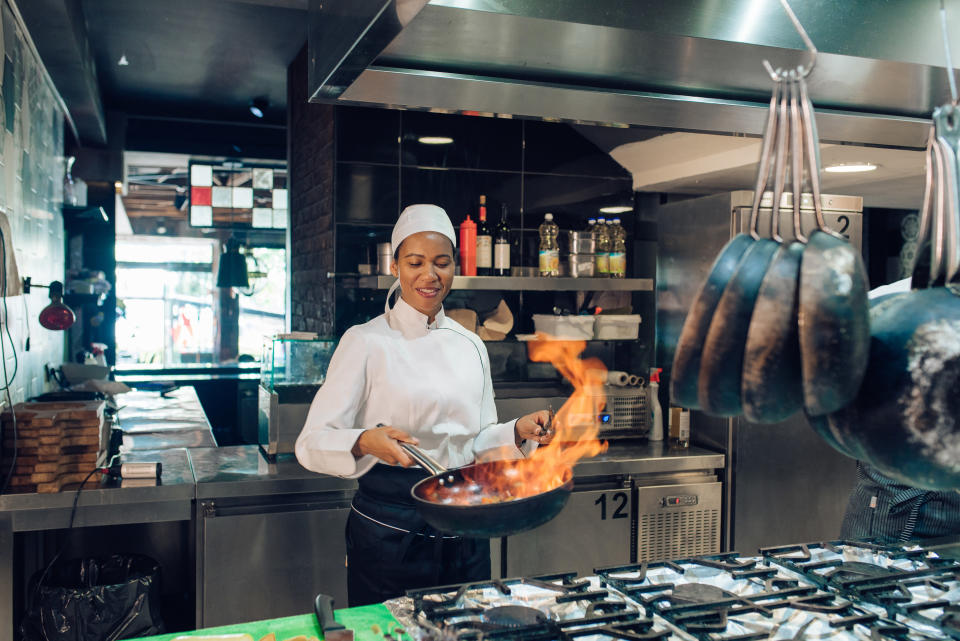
(548,429)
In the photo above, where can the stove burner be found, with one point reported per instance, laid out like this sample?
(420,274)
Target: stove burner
(696,593)
(513,616)
(950,619)
(851,570)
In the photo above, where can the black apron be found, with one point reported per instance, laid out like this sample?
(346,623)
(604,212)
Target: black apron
(883,509)
(391,549)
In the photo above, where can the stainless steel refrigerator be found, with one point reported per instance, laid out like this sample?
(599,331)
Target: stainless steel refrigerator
(782,484)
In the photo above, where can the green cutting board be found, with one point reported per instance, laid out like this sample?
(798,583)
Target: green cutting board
(361,620)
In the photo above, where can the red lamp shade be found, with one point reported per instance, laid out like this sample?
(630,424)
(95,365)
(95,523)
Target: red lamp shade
(56,315)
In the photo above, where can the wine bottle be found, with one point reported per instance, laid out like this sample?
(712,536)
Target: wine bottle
(484,242)
(501,245)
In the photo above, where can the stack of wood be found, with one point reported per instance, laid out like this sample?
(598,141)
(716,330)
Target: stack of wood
(57,444)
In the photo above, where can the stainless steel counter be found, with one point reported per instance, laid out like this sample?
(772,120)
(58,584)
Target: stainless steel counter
(109,503)
(644,457)
(243,471)
(227,490)
(150,421)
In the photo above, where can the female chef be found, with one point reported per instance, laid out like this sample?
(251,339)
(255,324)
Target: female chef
(411,375)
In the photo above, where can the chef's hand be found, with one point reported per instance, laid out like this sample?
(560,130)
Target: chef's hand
(534,427)
(382,442)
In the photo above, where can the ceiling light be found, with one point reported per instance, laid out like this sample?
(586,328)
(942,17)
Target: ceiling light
(123,62)
(850,167)
(258,106)
(435,140)
(616,209)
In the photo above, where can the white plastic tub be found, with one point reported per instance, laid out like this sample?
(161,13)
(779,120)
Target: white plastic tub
(617,326)
(569,327)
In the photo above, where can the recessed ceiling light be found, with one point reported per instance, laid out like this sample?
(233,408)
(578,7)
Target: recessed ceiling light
(435,140)
(123,62)
(258,106)
(617,209)
(850,167)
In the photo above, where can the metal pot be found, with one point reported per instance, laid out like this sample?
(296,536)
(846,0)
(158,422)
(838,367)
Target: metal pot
(493,515)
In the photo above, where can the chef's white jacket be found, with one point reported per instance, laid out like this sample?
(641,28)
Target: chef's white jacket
(431,380)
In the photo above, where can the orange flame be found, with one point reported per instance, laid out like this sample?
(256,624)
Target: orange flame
(576,425)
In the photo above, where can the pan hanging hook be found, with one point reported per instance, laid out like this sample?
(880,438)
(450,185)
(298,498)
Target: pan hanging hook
(802,71)
(946,50)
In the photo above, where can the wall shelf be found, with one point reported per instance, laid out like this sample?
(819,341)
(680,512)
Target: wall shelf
(526,283)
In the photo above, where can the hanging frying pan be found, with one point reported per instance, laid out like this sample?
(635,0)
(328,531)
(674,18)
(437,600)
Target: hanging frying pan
(466,501)
(904,419)
(834,323)
(771,389)
(721,366)
(841,429)
(685,374)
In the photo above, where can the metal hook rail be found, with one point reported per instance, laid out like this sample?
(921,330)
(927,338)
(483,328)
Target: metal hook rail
(946,49)
(777,74)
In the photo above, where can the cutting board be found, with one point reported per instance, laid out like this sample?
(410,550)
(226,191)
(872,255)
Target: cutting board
(360,620)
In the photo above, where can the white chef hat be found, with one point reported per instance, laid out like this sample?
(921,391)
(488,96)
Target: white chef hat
(417,218)
(413,220)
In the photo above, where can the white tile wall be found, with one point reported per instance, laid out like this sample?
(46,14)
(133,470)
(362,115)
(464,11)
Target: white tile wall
(31,196)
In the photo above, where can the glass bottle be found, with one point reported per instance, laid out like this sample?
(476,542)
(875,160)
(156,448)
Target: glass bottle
(484,242)
(501,245)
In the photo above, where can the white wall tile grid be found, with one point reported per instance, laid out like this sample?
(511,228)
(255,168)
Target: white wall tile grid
(31,196)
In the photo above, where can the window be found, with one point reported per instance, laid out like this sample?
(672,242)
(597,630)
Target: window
(165,289)
(262,305)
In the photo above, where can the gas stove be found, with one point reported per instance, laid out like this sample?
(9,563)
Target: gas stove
(839,591)
(912,586)
(557,607)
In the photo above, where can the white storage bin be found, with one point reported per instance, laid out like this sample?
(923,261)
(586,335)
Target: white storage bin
(617,326)
(570,327)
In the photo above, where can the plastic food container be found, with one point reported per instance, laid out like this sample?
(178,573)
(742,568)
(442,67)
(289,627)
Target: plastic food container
(617,326)
(572,327)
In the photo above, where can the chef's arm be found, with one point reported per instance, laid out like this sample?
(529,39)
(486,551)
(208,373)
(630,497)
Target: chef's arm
(329,434)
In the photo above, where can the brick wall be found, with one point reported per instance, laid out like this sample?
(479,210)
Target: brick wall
(310,158)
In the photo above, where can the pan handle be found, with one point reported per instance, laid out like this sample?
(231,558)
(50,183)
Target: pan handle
(423,458)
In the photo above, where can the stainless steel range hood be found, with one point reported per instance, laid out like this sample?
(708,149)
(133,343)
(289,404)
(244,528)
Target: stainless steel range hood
(691,65)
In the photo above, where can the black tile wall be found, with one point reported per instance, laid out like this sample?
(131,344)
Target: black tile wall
(368,135)
(558,149)
(458,191)
(531,167)
(367,193)
(478,142)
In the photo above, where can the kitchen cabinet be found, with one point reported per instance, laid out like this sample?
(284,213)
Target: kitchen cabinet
(270,558)
(593,530)
(665,504)
(269,536)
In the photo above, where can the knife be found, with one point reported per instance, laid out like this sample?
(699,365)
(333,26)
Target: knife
(332,630)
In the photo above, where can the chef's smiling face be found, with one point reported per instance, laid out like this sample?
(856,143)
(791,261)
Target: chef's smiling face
(424,265)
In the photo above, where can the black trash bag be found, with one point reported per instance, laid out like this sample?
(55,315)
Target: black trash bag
(95,599)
